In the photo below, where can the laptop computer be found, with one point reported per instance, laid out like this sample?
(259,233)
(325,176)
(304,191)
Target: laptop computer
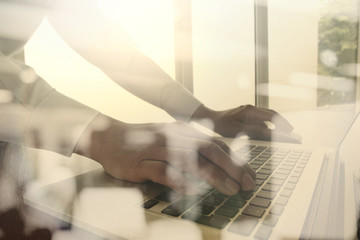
(301,193)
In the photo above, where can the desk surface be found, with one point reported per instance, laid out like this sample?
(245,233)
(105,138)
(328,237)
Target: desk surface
(321,127)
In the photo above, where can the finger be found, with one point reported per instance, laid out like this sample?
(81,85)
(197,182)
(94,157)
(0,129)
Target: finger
(215,151)
(266,134)
(190,161)
(282,124)
(216,177)
(183,153)
(217,156)
(229,151)
(279,121)
(257,132)
(222,145)
(258,116)
(160,172)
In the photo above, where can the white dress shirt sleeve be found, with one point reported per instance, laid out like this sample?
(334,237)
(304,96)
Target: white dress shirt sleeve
(33,114)
(109,47)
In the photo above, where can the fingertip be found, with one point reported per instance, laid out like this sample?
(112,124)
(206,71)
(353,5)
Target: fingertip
(286,137)
(232,186)
(266,134)
(247,182)
(281,122)
(289,128)
(251,171)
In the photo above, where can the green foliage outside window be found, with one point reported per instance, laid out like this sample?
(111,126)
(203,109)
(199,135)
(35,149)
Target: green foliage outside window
(338,48)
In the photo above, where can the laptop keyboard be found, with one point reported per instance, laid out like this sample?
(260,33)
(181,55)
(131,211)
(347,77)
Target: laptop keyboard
(252,213)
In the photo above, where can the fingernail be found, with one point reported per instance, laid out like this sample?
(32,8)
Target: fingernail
(248,182)
(232,186)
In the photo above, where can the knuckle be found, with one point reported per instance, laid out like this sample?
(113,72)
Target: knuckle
(214,176)
(190,155)
(242,125)
(160,138)
(246,118)
(189,161)
(220,143)
(159,173)
(173,180)
(249,107)
(210,148)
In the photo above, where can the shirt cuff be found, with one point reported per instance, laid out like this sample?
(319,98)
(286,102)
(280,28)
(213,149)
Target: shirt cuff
(179,102)
(57,123)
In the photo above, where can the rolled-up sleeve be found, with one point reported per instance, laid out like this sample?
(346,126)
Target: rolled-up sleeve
(178,101)
(34,114)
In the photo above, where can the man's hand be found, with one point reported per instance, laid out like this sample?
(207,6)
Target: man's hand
(171,154)
(257,123)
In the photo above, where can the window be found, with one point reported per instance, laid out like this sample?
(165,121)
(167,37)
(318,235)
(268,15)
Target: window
(293,50)
(308,53)
(209,45)
(223,52)
(338,52)
(313,47)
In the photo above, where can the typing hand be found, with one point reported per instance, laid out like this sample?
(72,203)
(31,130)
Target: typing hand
(257,123)
(164,153)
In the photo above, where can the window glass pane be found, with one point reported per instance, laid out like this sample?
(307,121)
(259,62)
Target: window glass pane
(223,52)
(338,51)
(312,53)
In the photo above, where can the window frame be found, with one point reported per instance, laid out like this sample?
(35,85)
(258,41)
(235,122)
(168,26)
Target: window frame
(184,54)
